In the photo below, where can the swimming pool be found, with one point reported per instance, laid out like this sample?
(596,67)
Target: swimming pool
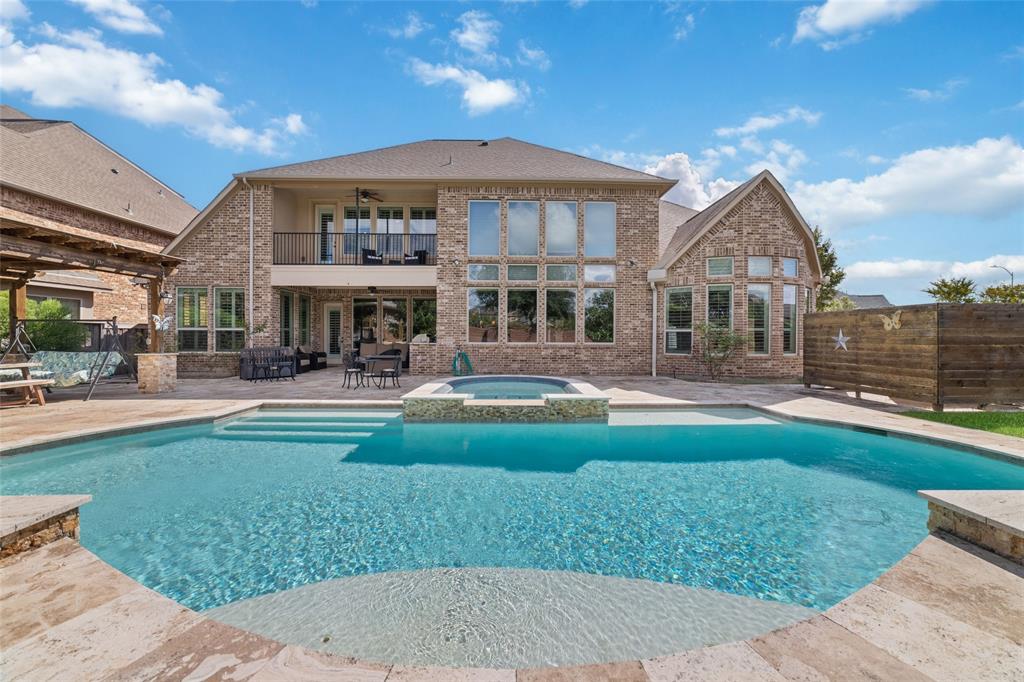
(715,502)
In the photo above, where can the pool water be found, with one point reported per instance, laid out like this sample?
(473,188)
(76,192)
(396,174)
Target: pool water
(727,500)
(508,388)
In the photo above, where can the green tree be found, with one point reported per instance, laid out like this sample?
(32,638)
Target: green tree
(718,343)
(954,290)
(831,274)
(839,303)
(50,328)
(1003,293)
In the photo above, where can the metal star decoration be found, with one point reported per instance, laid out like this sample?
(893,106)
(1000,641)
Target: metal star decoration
(841,340)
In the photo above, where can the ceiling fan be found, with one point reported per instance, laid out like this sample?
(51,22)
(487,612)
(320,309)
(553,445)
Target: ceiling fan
(365,196)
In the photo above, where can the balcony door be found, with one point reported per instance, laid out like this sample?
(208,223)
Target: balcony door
(325,234)
(332,331)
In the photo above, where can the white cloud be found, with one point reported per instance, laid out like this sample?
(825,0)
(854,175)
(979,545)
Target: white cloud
(120,15)
(875,159)
(533,56)
(684,27)
(691,190)
(480,95)
(985,179)
(782,159)
(292,124)
(12,10)
(939,94)
(837,23)
(756,124)
(414,25)
(910,267)
(576,4)
(477,34)
(77,69)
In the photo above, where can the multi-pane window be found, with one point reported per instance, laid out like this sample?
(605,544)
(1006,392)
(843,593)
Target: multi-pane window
(759,301)
(478,272)
(325,231)
(720,305)
(364,320)
(286,318)
(523,273)
(395,320)
(484,222)
(759,266)
(424,320)
(560,228)
(789,318)
(599,315)
(304,320)
(423,220)
(720,266)
(356,229)
(599,229)
(560,321)
(679,320)
(523,228)
(599,273)
(561,273)
(483,315)
(230,320)
(522,315)
(191,320)
(790,267)
(808,301)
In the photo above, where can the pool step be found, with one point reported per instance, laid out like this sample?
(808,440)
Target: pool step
(325,427)
(327,416)
(345,437)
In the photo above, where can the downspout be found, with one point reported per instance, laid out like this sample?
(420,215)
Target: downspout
(249,295)
(654,329)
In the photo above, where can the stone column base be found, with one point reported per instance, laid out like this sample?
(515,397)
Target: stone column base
(158,372)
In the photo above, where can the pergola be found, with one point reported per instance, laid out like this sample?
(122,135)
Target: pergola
(31,244)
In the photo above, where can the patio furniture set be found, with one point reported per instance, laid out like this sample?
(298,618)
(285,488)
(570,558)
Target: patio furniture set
(360,371)
(279,362)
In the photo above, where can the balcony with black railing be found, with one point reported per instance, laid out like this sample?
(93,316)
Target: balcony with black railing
(313,248)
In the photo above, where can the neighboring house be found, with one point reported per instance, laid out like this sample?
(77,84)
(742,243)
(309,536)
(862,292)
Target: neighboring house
(54,176)
(866,300)
(530,259)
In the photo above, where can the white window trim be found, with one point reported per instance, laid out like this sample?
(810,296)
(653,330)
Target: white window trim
(484,343)
(508,229)
(767,322)
(615,228)
(536,293)
(469,228)
(668,293)
(576,234)
(615,318)
(576,314)
(707,302)
(783,266)
(796,320)
(177,313)
(218,328)
(732,265)
(771,266)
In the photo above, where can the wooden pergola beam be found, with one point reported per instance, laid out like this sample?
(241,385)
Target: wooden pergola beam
(38,254)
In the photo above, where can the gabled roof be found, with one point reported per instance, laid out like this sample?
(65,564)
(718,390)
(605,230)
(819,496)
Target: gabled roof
(670,216)
(689,232)
(460,160)
(867,300)
(59,160)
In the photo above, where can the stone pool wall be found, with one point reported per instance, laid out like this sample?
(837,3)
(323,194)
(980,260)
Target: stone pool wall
(457,408)
(49,530)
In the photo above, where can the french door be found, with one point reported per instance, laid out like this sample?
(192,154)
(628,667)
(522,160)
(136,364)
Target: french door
(332,331)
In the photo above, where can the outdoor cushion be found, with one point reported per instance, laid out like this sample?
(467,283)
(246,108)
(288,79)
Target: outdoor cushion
(66,368)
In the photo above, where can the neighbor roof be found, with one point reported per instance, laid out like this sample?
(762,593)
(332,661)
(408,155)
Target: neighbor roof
(670,216)
(440,160)
(59,160)
(867,300)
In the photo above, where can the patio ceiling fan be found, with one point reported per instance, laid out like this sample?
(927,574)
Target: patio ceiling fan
(365,196)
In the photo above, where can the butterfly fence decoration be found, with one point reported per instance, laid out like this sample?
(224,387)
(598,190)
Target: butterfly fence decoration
(891,322)
(162,324)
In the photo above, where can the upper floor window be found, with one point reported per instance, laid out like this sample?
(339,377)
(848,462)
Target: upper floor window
(191,320)
(523,228)
(790,267)
(720,266)
(390,220)
(482,272)
(599,229)
(679,320)
(352,224)
(522,273)
(561,273)
(560,228)
(484,227)
(759,266)
(599,273)
(422,220)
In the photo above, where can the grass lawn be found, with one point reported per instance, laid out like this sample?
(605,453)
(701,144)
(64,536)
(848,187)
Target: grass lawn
(1006,423)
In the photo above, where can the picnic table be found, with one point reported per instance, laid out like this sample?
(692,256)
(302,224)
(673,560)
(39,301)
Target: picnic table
(31,389)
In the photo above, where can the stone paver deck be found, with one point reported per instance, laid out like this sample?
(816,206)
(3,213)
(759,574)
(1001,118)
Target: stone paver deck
(948,611)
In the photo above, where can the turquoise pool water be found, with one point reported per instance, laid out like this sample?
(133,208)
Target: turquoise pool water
(509,388)
(726,500)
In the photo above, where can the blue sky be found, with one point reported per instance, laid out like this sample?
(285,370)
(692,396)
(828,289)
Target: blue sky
(895,125)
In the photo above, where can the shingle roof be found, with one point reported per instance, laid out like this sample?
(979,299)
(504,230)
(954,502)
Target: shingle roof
(57,159)
(867,300)
(439,160)
(670,217)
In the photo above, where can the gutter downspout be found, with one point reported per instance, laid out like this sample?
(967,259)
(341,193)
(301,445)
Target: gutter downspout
(654,329)
(249,296)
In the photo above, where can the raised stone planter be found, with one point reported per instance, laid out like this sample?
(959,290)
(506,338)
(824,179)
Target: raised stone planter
(158,372)
(30,521)
(990,519)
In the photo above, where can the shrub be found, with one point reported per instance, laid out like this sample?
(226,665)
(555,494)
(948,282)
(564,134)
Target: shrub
(718,343)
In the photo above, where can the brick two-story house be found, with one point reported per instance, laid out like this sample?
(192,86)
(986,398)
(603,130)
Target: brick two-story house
(529,258)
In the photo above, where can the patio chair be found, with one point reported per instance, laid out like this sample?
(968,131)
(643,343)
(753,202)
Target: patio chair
(371,257)
(380,369)
(354,368)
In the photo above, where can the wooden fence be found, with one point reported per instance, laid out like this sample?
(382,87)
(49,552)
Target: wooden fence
(939,354)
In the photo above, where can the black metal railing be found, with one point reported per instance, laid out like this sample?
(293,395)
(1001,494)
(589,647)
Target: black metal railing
(312,248)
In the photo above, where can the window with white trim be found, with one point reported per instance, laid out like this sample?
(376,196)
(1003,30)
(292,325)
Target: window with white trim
(229,325)
(287,307)
(790,267)
(191,319)
(679,320)
(789,297)
(759,303)
(304,320)
(720,266)
(720,305)
(759,266)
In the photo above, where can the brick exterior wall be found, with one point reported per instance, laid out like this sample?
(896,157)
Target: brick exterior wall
(127,302)
(759,226)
